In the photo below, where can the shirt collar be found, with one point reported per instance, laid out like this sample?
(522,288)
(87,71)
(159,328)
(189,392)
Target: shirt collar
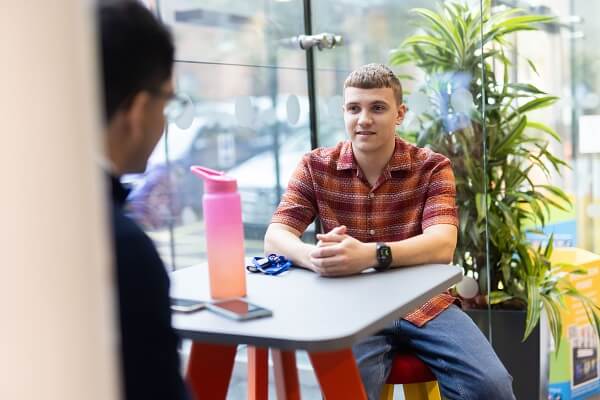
(400,158)
(346,160)
(119,192)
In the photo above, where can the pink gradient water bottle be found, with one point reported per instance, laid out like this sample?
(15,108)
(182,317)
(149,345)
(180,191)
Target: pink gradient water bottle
(224,233)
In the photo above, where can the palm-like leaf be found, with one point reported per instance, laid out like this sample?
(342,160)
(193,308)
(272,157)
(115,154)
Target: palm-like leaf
(495,191)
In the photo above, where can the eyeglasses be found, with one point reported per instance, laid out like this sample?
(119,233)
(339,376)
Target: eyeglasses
(176,103)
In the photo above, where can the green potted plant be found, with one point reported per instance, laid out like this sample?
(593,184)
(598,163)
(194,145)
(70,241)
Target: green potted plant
(470,111)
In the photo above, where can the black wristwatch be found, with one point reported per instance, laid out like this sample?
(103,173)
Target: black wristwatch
(384,257)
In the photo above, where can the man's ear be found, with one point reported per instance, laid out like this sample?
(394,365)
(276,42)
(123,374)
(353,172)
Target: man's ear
(136,115)
(401,114)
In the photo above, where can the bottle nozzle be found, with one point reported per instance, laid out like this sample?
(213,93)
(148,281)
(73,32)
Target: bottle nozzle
(205,173)
(214,181)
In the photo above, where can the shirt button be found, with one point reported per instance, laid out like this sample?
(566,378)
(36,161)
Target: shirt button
(372,232)
(371,195)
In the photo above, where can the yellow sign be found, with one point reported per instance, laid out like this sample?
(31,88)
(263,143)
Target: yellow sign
(575,372)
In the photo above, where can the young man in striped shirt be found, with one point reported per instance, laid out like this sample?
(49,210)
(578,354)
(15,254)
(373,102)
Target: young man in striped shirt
(387,204)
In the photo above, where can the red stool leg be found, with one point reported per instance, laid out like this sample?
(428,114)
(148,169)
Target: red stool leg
(338,375)
(258,373)
(209,370)
(286,375)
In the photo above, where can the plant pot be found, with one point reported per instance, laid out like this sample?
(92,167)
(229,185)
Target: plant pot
(527,361)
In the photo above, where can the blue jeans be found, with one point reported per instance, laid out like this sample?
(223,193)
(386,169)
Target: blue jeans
(455,350)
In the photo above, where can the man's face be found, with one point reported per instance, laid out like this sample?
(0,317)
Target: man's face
(152,125)
(371,116)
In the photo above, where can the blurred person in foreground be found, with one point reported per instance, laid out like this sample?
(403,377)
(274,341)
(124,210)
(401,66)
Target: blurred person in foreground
(387,204)
(136,63)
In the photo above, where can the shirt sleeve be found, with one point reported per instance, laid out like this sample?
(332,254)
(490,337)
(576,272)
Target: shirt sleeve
(440,204)
(298,208)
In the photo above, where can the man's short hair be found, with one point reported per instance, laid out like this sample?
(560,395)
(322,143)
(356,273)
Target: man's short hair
(375,76)
(136,52)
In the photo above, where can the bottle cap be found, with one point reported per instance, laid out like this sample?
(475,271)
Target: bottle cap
(214,181)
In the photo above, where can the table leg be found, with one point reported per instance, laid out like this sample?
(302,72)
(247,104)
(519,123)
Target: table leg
(286,375)
(209,370)
(338,375)
(258,373)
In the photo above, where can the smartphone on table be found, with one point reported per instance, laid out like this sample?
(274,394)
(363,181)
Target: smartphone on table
(187,305)
(238,309)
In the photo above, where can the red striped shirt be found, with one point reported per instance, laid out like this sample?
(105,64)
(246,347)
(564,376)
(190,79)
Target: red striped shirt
(416,190)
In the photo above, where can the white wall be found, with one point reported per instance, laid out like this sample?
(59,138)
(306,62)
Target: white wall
(57,338)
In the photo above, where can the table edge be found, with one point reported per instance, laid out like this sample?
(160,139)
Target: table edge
(325,344)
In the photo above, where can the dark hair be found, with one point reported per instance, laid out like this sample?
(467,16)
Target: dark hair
(136,52)
(375,76)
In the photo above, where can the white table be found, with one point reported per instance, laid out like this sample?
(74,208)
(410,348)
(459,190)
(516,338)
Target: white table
(324,316)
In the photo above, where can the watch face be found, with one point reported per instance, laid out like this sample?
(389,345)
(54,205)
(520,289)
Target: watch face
(384,256)
(385,252)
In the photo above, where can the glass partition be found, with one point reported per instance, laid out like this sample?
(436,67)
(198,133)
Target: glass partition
(370,30)
(584,95)
(491,106)
(257,32)
(245,75)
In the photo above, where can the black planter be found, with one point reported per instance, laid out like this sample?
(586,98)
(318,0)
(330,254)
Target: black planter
(527,361)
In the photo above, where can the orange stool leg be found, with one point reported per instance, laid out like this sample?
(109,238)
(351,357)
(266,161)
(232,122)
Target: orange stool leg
(286,375)
(338,375)
(258,373)
(209,370)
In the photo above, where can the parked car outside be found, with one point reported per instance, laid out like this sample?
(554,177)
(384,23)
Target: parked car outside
(167,193)
(258,184)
